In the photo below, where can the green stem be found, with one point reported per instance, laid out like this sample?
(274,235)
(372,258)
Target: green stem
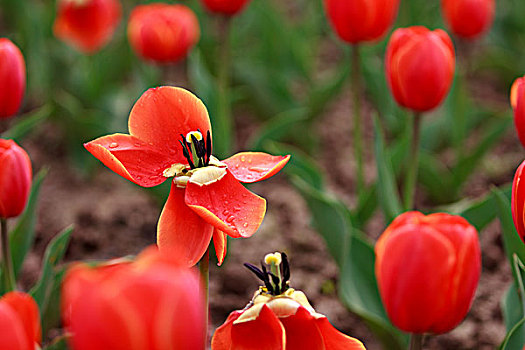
(204,269)
(416,341)
(411,175)
(358,135)
(7,262)
(224,124)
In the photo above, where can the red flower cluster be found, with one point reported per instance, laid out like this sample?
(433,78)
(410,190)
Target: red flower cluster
(225,7)
(468,18)
(12,78)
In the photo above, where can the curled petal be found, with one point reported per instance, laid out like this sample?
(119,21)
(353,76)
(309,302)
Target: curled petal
(27,311)
(335,340)
(131,158)
(302,332)
(251,167)
(220,242)
(181,232)
(162,114)
(227,205)
(222,339)
(263,333)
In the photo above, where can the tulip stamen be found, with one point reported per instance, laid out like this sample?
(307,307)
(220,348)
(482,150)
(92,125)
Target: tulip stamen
(196,149)
(276,281)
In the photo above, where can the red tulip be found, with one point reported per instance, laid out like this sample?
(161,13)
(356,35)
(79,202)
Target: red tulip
(279,318)
(361,20)
(149,304)
(517,101)
(518,201)
(427,269)
(162,32)
(225,7)
(12,78)
(468,18)
(19,322)
(206,194)
(87,25)
(15,179)
(420,67)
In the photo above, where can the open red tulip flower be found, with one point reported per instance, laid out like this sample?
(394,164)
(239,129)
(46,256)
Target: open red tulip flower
(468,18)
(88,25)
(170,138)
(517,101)
(149,304)
(12,78)
(420,66)
(19,322)
(279,318)
(163,33)
(427,269)
(518,201)
(225,7)
(361,20)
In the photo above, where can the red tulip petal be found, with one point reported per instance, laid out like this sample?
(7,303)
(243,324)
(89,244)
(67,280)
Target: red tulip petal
(162,114)
(12,333)
(227,205)
(181,232)
(335,340)
(302,332)
(254,166)
(518,201)
(263,333)
(131,158)
(220,241)
(222,338)
(27,311)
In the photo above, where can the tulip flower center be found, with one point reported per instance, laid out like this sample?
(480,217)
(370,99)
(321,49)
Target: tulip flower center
(276,281)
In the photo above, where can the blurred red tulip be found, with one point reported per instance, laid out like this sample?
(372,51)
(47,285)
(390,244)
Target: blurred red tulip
(279,318)
(468,18)
(206,194)
(12,78)
(225,7)
(19,322)
(15,179)
(163,33)
(88,25)
(518,201)
(427,269)
(517,101)
(420,67)
(149,304)
(361,20)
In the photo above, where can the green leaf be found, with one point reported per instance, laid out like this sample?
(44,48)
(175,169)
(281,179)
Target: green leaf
(54,253)
(50,315)
(514,339)
(278,127)
(23,235)
(28,122)
(388,195)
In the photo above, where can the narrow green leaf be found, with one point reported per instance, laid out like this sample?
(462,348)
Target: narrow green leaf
(278,127)
(324,92)
(28,122)
(514,339)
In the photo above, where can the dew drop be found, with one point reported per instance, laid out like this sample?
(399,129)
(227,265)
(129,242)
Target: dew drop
(136,144)
(113,145)
(225,212)
(243,158)
(153,177)
(230,219)
(245,225)
(257,169)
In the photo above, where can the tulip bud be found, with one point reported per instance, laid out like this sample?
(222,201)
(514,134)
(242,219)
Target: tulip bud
(361,20)
(225,7)
(149,304)
(19,322)
(12,78)
(15,179)
(427,269)
(163,33)
(517,101)
(468,18)
(419,67)
(518,201)
(88,25)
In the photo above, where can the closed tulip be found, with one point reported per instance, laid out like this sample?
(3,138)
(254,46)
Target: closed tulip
(420,67)
(88,25)
(518,201)
(15,179)
(427,269)
(163,33)
(517,101)
(149,304)
(225,7)
(12,78)
(19,322)
(361,20)
(468,18)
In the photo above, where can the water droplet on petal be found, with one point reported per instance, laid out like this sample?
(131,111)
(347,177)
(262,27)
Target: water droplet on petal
(243,158)
(113,145)
(136,144)
(257,169)
(245,225)
(225,212)
(230,219)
